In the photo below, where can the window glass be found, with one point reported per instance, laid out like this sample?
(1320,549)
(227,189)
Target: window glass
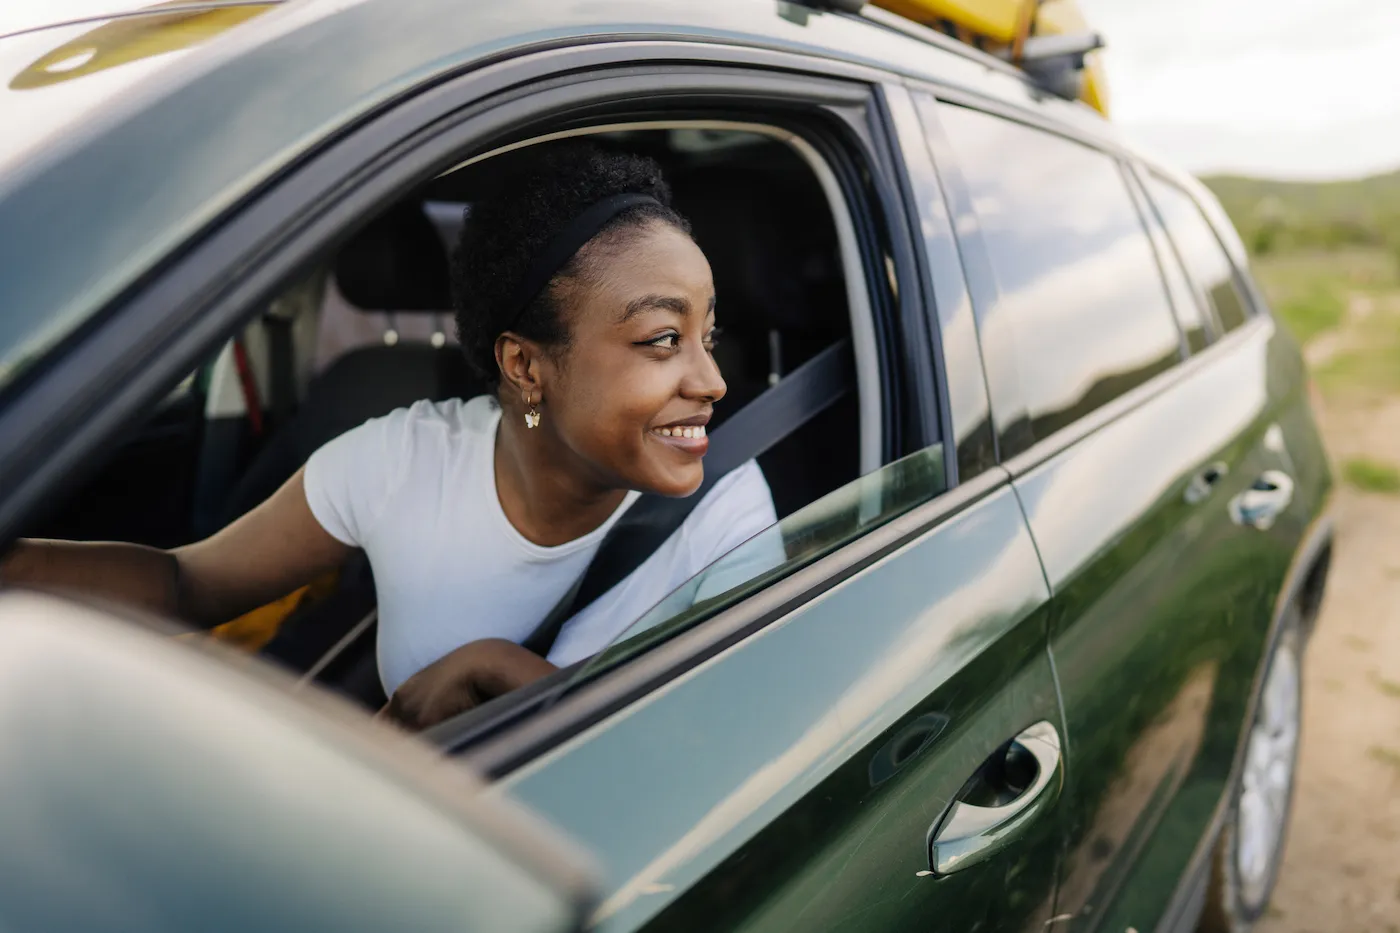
(782,549)
(1079,285)
(1190,309)
(1206,261)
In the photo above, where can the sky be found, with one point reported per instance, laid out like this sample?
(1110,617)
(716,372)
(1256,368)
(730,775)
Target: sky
(1280,88)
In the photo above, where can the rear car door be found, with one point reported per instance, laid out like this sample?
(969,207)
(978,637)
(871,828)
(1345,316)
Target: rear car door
(865,736)
(1131,463)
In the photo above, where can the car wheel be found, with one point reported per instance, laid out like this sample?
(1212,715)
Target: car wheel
(1250,849)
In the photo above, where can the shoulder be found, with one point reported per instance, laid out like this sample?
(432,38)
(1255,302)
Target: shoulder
(450,419)
(352,480)
(744,483)
(740,503)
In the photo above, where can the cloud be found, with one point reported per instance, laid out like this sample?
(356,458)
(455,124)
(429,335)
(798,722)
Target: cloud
(1277,87)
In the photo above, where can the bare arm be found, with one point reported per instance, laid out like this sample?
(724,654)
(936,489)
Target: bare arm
(267,553)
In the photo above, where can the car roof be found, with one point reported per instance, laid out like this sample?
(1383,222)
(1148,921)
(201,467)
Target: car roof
(24,17)
(142,169)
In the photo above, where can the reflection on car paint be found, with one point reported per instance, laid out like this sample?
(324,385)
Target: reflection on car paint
(129,39)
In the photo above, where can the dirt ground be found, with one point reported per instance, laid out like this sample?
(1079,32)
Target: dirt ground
(1341,869)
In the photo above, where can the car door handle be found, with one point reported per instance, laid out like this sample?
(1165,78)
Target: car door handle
(1264,501)
(1018,783)
(1204,482)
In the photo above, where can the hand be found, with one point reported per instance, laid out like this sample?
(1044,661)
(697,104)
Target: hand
(462,680)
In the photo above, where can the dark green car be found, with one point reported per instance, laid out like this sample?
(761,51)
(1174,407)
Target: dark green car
(1021,654)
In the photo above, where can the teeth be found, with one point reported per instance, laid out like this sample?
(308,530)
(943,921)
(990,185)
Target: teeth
(694,431)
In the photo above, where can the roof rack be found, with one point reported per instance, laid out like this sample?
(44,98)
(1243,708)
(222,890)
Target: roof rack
(1048,40)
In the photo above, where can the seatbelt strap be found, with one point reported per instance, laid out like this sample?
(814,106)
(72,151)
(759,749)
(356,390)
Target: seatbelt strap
(799,397)
(282,365)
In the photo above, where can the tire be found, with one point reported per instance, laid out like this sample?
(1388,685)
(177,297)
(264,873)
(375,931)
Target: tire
(1248,855)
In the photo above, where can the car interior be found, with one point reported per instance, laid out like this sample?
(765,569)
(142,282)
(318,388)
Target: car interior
(369,329)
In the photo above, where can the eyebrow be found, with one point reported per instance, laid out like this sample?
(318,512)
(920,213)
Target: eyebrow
(655,303)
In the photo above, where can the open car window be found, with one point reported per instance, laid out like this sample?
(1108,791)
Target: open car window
(779,551)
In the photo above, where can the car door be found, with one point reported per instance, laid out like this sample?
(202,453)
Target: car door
(1131,465)
(863,737)
(162,789)
(785,756)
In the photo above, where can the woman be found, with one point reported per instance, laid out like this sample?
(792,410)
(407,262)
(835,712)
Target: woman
(587,308)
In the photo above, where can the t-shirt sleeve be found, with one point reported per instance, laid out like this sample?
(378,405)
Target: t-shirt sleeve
(349,480)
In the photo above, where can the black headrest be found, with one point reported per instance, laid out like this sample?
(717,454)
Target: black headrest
(397,263)
(772,244)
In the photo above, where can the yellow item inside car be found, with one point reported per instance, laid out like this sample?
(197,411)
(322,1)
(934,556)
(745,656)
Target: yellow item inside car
(997,26)
(253,630)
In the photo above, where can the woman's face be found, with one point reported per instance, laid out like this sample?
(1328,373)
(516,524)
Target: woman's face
(631,395)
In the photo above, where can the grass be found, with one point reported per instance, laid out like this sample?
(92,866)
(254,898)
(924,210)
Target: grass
(1308,315)
(1372,475)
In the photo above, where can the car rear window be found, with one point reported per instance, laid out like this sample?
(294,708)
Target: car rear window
(1206,261)
(1077,278)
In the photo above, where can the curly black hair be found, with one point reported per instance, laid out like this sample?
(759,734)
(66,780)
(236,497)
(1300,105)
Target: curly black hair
(505,230)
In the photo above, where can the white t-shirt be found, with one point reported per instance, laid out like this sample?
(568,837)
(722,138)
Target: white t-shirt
(416,490)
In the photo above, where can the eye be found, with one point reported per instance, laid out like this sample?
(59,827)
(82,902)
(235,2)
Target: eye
(712,338)
(664,342)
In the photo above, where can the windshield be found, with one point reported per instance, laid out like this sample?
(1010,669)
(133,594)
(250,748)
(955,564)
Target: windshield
(780,550)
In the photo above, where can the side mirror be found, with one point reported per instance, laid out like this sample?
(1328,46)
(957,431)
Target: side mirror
(147,785)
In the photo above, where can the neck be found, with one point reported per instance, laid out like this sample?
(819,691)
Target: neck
(544,492)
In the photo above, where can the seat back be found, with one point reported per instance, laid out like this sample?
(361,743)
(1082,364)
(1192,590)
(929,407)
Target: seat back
(397,263)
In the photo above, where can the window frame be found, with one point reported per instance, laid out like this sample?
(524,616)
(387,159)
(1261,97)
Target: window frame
(1003,382)
(1167,252)
(1145,172)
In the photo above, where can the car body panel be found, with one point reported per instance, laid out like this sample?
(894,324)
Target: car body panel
(791,781)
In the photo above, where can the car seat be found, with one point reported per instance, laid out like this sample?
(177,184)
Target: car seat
(395,263)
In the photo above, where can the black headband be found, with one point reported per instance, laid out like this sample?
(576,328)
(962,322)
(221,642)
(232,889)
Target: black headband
(561,248)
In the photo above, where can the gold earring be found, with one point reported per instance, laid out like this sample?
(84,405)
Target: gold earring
(532,417)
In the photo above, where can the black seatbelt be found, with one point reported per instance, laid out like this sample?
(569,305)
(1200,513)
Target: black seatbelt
(282,368)
(780,410)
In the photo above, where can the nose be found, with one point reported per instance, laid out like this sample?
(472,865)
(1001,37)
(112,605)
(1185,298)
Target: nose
(703,381)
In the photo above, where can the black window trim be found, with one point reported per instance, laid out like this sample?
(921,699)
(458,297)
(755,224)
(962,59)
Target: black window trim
(1157,232)
(1246,294)
(160,328)
(1142,205)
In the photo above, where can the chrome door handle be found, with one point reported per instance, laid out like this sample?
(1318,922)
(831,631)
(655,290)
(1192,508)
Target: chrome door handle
(1264,501)
(968,833)
(1204,482)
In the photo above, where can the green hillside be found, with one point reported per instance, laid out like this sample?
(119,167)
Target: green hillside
(1277,216)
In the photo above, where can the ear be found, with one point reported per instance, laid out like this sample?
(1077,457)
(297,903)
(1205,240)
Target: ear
(520,361)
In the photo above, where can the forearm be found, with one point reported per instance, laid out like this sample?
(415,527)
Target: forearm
(132,574)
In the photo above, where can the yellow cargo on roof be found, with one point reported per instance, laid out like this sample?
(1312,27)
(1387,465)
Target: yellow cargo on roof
(993,24)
